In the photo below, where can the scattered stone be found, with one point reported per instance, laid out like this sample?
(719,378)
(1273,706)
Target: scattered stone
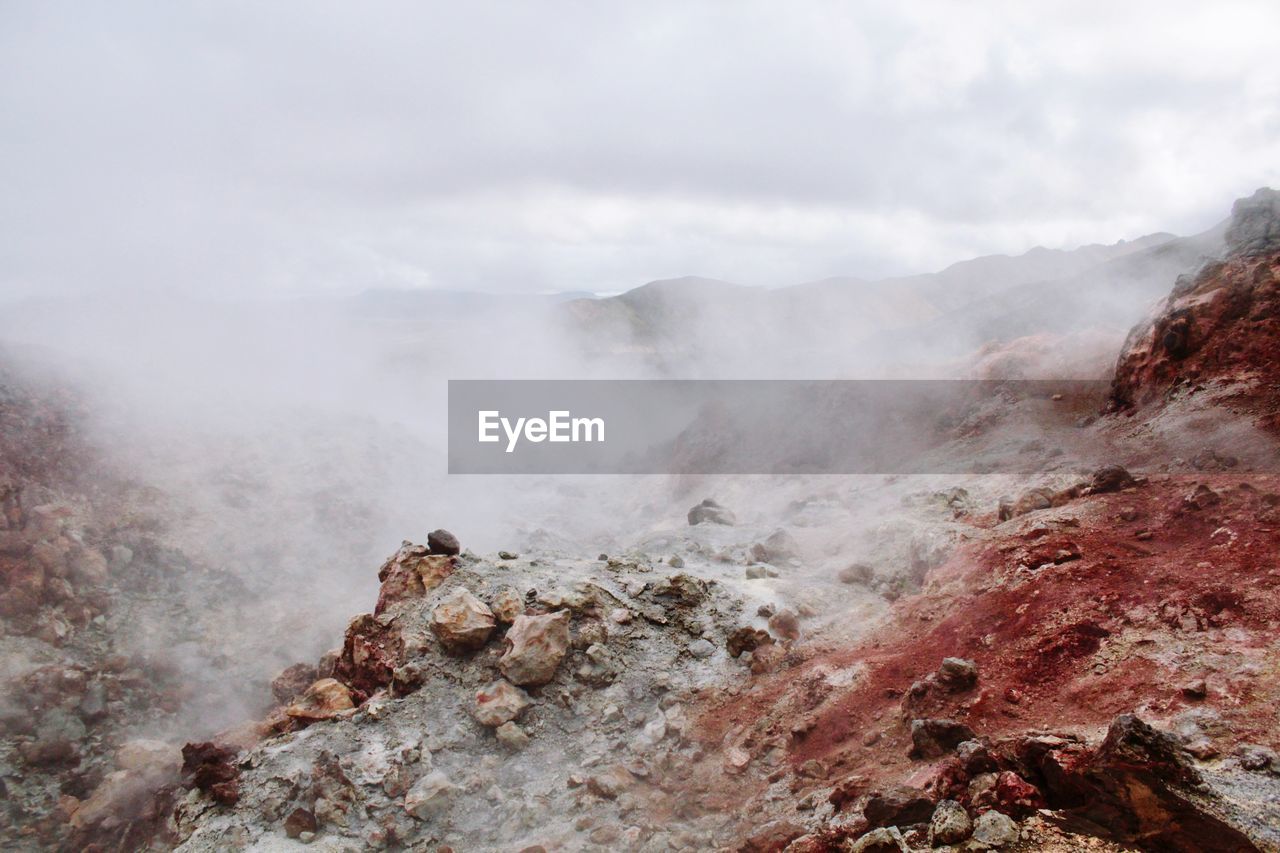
(858,573)
(620,616)
(1202,498)
(443,542)
(499,702)
(535,647)
(508,555)
(511,736)
(758,572)
(1110,478)
(676,562)
(292,681)
(462,622)
(950,824)
(430,795)
(507,605)
(1258,758)
(299,821)
(886,839)
(778,548)
(993,830)
(701,648)
(711,512)
(958,673)
(323,700)
(934,738)
(747,639)
(1129,513)
(1195,689)
(898,807)
(786,624)
(212,769)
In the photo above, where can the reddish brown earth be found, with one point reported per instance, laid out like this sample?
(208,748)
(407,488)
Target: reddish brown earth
(1161,600)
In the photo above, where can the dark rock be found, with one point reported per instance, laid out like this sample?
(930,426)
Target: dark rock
(212,769)
(747,639)
(1146,791)
(443,542)
(299,821)
(859,573)
(1110,478)
(772,837)
(975,758)
(711,512)
(898,807)
(958,673)
(1255,224)
(934,738)
(293,681)
(779,547)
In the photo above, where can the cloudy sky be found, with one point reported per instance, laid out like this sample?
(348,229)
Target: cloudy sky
(275,149)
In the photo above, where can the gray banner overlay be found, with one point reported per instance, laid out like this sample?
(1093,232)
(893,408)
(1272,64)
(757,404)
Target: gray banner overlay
(791,427)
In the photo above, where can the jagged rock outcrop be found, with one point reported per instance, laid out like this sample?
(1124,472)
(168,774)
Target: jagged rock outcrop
(1220,324)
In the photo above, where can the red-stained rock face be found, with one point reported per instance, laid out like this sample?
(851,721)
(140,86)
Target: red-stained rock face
(372,650)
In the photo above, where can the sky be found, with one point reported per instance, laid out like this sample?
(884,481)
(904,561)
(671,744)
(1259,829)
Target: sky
(321,148)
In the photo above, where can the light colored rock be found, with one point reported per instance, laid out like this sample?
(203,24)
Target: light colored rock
(950,824)
(993,829)
(430,795)
(324,700)
(462,622)
(511,736)
(149,756)
(499,702)
(535,647)
(701,648)
(507,605)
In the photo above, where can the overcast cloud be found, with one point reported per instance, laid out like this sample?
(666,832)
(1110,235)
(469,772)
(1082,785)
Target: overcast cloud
(273,149)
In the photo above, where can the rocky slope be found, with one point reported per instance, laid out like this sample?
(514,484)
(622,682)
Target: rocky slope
(1088,664)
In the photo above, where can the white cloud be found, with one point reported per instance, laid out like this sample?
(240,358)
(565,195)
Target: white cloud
(566,145)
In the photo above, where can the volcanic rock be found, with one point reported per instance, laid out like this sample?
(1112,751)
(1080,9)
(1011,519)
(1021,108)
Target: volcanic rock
(507,605)
(535,647)
(499,702)
(462,622)
(1111,478)
(292,681)
(1255,224)
(882,840)
(747,639)
(324,700)
(857,573)
(994,830)
(958,673)
(950,824)
(933,738)
(429,795)
(779,547)
(212,769)
(711,512)
(443,542)
(299,821)
(898,807)
(511,736)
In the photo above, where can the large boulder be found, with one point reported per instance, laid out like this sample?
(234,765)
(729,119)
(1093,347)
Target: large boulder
(535,647)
